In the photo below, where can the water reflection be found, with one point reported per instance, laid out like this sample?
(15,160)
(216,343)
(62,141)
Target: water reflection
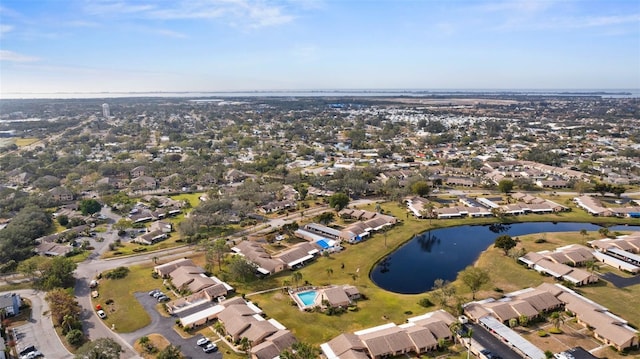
(442,253)
(499,227)
(427,240)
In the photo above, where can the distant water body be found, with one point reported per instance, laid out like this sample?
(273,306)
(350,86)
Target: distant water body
(608,93)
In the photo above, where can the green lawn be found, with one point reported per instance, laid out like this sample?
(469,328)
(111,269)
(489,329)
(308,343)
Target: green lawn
(381,306)
(135,248)
(126,312)
(192,198)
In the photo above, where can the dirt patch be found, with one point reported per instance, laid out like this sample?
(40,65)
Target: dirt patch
(146,350)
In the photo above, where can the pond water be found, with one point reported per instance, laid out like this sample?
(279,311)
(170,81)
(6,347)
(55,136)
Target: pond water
(442,253)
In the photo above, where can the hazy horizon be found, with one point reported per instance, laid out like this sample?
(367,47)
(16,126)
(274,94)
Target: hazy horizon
(119,46)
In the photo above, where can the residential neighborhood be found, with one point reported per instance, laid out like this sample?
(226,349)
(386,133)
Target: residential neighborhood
(250,227)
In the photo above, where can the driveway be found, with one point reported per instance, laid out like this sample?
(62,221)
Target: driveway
(39,330)
(490,342)
(620,282)
(164,326)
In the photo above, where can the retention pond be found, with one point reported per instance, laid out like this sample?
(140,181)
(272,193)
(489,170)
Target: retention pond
(442,253)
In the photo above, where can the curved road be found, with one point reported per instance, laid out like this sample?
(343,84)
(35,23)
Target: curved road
(39,330)
(93,326)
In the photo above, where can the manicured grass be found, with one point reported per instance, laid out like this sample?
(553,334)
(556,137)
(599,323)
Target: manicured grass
(383,306)
(509,275)
(135,248)
(21,142)
(506,274)
(126,312)
(192,198)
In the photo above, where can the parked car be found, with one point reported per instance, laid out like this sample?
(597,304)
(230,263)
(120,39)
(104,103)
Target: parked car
(101,314)
(203,341)
(210,348)
(157,294)
(32,355)
(163,298)
(151,293)
(27,350)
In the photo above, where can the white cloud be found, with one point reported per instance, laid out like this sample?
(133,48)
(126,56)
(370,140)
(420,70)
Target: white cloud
(115,7)
(5,28)
(81,23)
(596,21)
(170,33)
(251,13)
(6,55)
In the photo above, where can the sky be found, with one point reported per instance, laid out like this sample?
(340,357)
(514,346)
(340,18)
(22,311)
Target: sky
(52,46)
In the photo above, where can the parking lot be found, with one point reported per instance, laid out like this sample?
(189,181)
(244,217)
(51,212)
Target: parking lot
(164,326)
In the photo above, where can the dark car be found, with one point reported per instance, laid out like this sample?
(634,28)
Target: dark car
(27,350)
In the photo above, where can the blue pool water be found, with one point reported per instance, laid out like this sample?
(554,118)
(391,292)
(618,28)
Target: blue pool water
(307,297)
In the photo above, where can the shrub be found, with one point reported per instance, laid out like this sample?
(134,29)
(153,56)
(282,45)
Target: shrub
(542,333)
(541,240)
(117,273)
(75,337)
(425,302)
(555,331)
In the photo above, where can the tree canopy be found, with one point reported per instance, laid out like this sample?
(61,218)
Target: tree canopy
(474,278)
(505,186)
(505,242)
(101,348)
(17,239)
(89,206)
(338,201)
(421,188)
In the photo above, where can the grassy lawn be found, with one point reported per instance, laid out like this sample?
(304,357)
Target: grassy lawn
(15,286)
(383,306)
(21,142)
(507,275)
(135,248)
(192,198)
(125,311)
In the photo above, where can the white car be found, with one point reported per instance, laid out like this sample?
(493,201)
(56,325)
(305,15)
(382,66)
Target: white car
(203,341)
(32,355)
(210,348)
(101,314)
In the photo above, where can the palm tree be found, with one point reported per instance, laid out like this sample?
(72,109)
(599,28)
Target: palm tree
(245,345)
(592,265)
(557,319)
(285,285)
(67,322)
(329,272)
(296,276)
(455,327)
(604,231)
(468,335)
(219,327)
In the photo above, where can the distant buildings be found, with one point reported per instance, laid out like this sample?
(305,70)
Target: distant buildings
(106,113)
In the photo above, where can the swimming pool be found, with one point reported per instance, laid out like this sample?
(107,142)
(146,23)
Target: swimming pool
(308,297)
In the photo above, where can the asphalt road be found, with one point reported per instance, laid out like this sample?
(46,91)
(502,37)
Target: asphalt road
(39,330)
(164,326)
(490,342)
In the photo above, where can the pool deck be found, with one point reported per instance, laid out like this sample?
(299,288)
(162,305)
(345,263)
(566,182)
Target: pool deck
(293,293)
